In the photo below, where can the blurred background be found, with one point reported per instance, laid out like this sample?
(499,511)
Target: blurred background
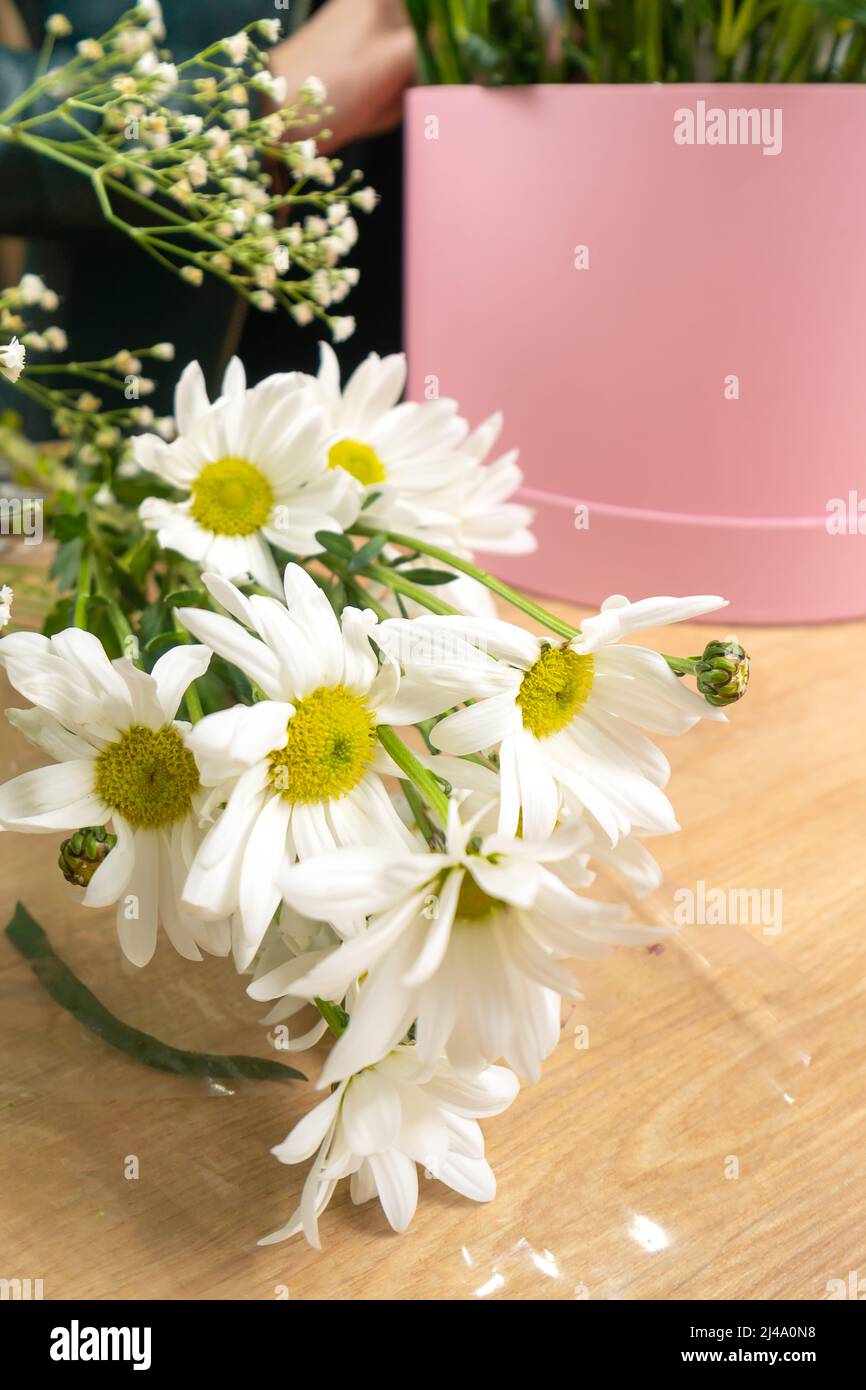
(50,225)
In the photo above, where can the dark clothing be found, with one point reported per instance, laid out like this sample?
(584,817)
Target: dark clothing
(115,296)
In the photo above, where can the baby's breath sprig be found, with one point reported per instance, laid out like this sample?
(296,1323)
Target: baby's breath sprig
(93,406)
(186,161)
(73,392)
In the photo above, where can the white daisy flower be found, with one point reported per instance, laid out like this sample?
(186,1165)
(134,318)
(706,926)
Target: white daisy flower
(377,1126)
(401,451)
(12,358)
(292,945)
(305,762)
(465,944)
(419,470)
(560,715)
(479,786)
(253,466)
(123,760)
(473,512)
(6,597)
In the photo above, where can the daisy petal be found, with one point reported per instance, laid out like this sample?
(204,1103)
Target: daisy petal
(396,1179)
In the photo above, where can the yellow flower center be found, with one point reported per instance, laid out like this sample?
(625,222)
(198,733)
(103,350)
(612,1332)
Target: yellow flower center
(231,498)
(473,904)
(554,690)
(148,777)
(331,743)
(358,459)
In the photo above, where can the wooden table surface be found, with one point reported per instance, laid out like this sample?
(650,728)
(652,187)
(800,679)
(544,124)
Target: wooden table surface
(710,1141)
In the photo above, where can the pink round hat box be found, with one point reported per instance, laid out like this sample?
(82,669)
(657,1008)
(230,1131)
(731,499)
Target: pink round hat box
(675,329)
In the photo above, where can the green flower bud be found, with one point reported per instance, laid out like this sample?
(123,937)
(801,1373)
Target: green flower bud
(82,854)
(722,673)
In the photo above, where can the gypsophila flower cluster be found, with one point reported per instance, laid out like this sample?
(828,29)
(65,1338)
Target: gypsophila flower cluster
(94,406)
(285,725)
(221,159)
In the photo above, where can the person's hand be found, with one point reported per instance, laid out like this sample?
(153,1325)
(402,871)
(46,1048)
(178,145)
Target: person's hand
(364,52)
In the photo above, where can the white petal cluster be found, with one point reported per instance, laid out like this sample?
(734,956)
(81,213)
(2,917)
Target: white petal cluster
(594,761)
(317,454)
(378,1127)
(417,905)
(120,760)
(253,469)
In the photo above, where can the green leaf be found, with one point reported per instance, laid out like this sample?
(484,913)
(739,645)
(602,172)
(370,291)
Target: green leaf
(164,642)
(154,620)
(59,616)
(488,62)
(429,577)
(69,528)
(367,553)
(233,683)
(140,558)
(336,543)
(66,564)
(31,942)
(334,1015)
(187,598)
(841,9)
(337,596)
(100,624)
(428,67)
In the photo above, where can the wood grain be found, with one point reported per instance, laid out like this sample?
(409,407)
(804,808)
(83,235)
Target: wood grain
(614,1173)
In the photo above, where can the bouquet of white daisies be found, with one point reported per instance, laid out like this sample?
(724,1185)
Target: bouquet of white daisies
(316,749)
(285,722)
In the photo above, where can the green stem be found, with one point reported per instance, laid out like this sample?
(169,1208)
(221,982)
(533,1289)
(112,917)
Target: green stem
(682,665)
(193,704)
(83,591)
(123,630)
(435,552)
(397,582)
(405,759)
(44,58)
(365,598)
(419,811)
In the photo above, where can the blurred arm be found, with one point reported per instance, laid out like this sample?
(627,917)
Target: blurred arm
(364,51)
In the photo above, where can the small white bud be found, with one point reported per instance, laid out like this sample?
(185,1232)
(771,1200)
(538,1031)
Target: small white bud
(58,26)
(314,90)
(31,289)
(365,199)
(237,47)
(342,328)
